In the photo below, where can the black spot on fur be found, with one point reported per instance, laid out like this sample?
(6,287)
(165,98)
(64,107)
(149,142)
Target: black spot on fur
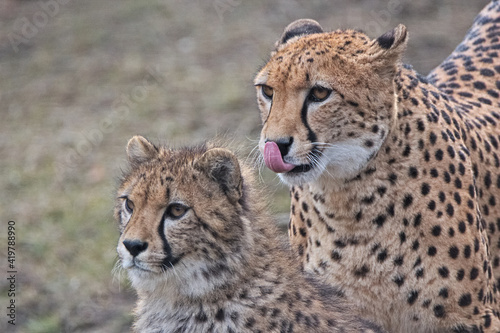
(417,220)
(453,252)
(443,271)
(487,72)
(398,261)
(467,251)
(412,297)
(336,255)
(439,311)
(425,189)
(380,220)
(362,272)
(450,210)
(474,273)
(413,172)
(420,125)
(439,154)
(443,292)
(220,315)
(461,227)
(393,178)
(465,300)
(382,255)
(407,151)
(399,280)
(436,230)
(201,317)
(402,237)
(407,200)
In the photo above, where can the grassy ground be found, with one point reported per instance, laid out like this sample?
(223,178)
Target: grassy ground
(79,79)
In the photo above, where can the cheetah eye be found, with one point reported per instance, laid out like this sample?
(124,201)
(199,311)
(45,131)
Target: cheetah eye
(319,94)
(129,205)
(267,91)
(176,210)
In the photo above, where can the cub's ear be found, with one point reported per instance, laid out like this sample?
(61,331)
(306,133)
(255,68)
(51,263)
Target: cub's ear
(222,166)
(299,28)
(140,150)
(387,50)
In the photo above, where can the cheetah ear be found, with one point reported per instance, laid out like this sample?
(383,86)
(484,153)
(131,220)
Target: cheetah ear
(387,50)
(297,29)
(222,166)
(140,150)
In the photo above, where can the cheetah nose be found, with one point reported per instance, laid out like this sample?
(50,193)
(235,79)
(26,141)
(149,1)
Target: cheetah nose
(135,246)
(273,156)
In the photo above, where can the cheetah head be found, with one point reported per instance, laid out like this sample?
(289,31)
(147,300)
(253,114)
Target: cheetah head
(327,100)
(177,214)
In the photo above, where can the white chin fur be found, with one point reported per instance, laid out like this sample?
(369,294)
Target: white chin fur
(340,161)
(173,280)
(143,280)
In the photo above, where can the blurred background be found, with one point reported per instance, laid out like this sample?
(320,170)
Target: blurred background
(78,78)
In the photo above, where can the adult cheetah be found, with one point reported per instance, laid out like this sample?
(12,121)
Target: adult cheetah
(204,256)
(394,176)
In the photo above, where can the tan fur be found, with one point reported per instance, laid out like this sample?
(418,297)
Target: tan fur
(205,257)
(395,197)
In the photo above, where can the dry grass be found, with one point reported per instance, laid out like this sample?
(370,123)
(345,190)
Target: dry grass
(187,69)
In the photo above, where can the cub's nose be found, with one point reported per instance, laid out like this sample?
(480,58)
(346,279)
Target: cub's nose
(135,246)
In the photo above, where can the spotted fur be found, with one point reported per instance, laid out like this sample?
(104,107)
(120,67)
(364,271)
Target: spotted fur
(205,257)
(396,181)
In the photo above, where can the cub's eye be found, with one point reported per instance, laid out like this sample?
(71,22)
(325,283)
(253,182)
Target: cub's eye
(267,91)
(129,205)
(319,94)
(175,211)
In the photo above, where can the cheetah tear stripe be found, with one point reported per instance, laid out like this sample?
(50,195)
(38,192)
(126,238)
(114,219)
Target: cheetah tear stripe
(273,159)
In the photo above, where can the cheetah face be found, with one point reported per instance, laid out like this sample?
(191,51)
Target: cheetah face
(177,217)
(327,101)
(144,252)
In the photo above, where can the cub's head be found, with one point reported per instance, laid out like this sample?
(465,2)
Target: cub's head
(327,100)
(179,216)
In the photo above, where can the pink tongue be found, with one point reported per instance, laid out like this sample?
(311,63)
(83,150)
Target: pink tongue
(273,159)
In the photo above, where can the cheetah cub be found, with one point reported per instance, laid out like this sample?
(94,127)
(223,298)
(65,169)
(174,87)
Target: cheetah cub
(205,257)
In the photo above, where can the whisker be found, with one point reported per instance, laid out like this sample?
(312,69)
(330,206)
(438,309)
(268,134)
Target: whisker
(315,159)
(116,272)
(277,177)
(252,140)
(324,144)
(253,155)
(257,160)
(260,167)
(172,268)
